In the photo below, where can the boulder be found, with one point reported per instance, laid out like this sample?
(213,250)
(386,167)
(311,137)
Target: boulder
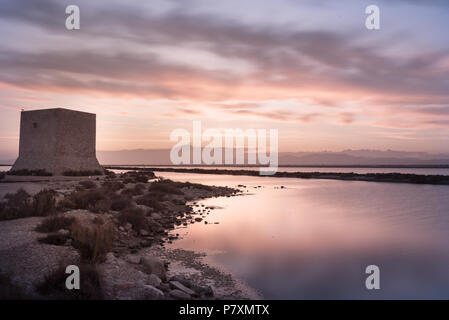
(154,280)
(164,287)
(156,216)
(153,265)
(179,295)
(152,293)
(144,233)
(182,279)
(134,259)
(179,286)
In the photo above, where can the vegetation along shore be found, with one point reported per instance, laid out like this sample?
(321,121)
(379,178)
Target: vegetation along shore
(350,176)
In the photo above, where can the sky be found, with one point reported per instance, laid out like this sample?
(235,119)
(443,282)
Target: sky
(310,69)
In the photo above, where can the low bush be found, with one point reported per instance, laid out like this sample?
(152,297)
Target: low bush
(137,176)
(55,223)
(93,243)
(135,216)
(120,203)
(166,186)
(26,172)
(113,186)
(17,205)
(44,203)
(137,190)
(88,184)
(101,206)
(82,173)
(152,200)
(85,199)
(54,286)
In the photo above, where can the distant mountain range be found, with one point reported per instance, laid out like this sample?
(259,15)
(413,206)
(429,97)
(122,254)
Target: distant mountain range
(323,158)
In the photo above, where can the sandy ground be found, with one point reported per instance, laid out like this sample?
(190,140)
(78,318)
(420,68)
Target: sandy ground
(24,258)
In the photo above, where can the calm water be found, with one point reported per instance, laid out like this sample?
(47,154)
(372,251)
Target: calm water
(440,171)
(315,238)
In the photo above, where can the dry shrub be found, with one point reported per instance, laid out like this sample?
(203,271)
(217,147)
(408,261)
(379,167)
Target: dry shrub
(44,203)
(120,202)
(137,176)
(101,206)
(55,223)
(113,186)
(135,216)
(152,200)
(53,284)
(93,242)
(88,184)
(86,199)
(18,205)
(26,172)
(82,173)
(137,190)
(166,186)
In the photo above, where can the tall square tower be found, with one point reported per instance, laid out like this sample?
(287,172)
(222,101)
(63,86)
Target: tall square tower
(57,140)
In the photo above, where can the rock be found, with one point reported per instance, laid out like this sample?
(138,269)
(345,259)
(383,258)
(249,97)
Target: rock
(134,259)
(182,279)
(144,233)
(121,229)
(110,258)
(198,219)
(153,265)
(152,293)
(63,232)
(156,216)
(154,280)
(146,243)
(164,287)
(204,292)
(180,286)
(209,291)
(128,226)
(178,294)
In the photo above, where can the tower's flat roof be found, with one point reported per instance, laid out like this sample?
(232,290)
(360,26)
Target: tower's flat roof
(57,109)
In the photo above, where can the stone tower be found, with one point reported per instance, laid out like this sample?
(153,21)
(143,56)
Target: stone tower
(57,140)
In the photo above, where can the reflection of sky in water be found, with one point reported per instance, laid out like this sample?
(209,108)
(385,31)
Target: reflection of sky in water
(314,239)
(432,171)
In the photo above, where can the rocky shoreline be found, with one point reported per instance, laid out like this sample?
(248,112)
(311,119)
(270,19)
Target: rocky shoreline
(114,227)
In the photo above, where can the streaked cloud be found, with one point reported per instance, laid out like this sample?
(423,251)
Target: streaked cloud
(225,62)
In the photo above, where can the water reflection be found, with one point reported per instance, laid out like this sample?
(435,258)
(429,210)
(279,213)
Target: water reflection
(315,238)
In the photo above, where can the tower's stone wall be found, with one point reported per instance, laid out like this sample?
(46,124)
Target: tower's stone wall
(57,140)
